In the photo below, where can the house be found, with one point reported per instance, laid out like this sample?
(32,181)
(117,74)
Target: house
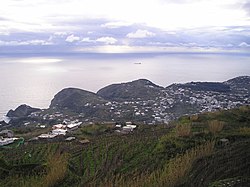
(127,129)
(59,126)
(70,138)
(45,136)
(6,141)
(73,126)
(59,131)
(128,123)
(132,126)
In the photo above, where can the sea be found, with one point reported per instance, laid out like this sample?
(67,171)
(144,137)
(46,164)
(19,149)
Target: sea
(34,79)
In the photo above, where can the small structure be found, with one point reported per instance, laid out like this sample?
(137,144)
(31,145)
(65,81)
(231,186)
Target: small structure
(86,141)
(224,142)
(47,136)
(118,126)
(128,123)
(70,138)
(127,129)
(59,131)
(132,126)
(6,141)
(73,126)
(59,126)
(42,126)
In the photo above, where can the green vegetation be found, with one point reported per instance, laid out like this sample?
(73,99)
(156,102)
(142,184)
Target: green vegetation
(188,152)
(215,126)
(183,130)
(95,129)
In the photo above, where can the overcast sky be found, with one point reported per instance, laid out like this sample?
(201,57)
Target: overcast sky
(124,25)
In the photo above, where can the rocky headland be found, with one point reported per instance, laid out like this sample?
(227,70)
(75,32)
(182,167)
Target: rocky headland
(139,101)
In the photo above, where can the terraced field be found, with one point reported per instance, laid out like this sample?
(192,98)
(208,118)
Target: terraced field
(227,167)
(150,156)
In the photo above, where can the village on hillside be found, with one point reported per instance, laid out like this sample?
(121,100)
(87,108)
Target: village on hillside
(122,114)
(65,131)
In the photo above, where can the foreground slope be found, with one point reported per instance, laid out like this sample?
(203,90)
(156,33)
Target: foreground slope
(163,155)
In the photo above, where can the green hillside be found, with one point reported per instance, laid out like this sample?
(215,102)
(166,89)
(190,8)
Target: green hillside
(210,149)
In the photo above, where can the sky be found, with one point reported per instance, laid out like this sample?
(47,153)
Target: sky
(124,26)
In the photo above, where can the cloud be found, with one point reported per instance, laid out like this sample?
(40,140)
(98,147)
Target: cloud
(39,42)
(246,7)
(71,38)
(140,34)
(27,42)
(244,44)
(61,34)
(178,1)
(4,33)
(93,33)
(114,25)
(107,40)
(3,19)
(87,39)
(45,15)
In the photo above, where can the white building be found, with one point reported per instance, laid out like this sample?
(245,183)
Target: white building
(73,126)
(6,141)
(59,126)
(131,126)
(128,123)
(128,128)
(59,132)
(45,136)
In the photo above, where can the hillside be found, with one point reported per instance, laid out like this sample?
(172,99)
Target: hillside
(209,149)
(74,99)
(142,101)
(141,89)
(22,111)
(239,84)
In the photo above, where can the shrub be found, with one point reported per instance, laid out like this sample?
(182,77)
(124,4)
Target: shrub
(175,171)
(194,118)
(244,131)
(169,145)
(215,126)
(183,130)
(57,167)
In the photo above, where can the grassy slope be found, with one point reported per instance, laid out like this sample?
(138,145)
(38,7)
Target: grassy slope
(151,156)
(230,164)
